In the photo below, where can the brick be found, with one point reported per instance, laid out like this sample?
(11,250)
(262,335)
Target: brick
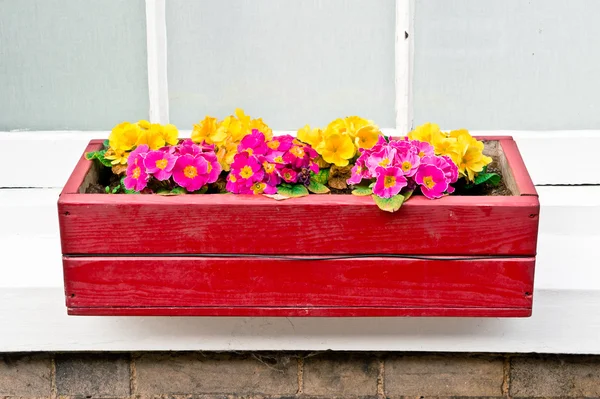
(25,375)
(93,375)
(341,375)
(563,376)
(213,373)
(448,375)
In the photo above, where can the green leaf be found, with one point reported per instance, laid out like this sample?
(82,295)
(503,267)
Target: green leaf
(320,177)
(389,204)
(295,191)
(105,143)
(491,178)
(362,191)
(407,195)
(99,155)
(181,190)
(107,190)
(372,185)
(317,188)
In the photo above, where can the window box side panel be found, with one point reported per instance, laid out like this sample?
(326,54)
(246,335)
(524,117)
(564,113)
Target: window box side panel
(218,282)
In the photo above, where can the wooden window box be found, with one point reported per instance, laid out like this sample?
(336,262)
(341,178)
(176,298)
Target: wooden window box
(321,255)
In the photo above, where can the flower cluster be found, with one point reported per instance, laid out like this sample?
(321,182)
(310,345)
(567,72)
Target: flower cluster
(191,166)
(227,134)
(261,165)
(464,150)
(341,139)
(126,136)
(405,163)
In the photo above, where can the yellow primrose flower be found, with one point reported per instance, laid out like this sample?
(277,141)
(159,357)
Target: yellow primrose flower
(470,158)
(367,136)
(170,134)
(153,137)
(208,131)
(443,145)
(124,136)
(310,136)
(425,132)
(232,127)
(225,153)
(117,157)
(355,123)
(336,149)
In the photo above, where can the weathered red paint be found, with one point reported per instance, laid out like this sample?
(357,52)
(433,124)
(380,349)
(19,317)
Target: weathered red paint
(99,226)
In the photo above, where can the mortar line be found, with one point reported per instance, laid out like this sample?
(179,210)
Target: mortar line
(53,388)
(300,375)
(506,377)
(132,377)
(381,379)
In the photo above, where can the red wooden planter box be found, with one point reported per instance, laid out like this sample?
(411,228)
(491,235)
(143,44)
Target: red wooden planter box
(321,255)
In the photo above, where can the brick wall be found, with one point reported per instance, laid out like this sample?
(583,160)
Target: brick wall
(296,375)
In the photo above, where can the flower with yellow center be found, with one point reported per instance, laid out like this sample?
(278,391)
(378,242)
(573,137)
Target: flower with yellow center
(337,149)
(124,136)
(470,159)
(310,136)
(259,187)
(389,181)
(268,167)
(136,172)
(367,136)
(428,182)
(162,163)
(297,151)
(190,171)
(170,134)
(208,131)
(116,157)
(246,172)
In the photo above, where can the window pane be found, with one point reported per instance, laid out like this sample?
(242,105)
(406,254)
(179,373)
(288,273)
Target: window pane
(507,64)
(290,62)
(69,64)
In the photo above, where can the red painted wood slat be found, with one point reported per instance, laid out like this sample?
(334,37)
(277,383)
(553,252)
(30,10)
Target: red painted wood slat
(248,282)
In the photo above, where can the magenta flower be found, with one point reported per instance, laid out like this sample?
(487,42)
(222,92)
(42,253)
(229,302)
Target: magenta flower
(236,186)
(140,150)
(289,175)
(271,176)
(279,145)
(187,146)
(389,182)
(359,171)
(254,143)
(247,168)
(447,166)
(191,172)
(214,167)
(136,177)
(423,148)
(408,161)
(160,164)
(432,181)
(382,158)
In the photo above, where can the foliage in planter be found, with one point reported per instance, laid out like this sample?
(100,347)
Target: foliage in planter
(240,155)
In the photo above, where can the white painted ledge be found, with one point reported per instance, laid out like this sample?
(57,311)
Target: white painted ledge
(566,313)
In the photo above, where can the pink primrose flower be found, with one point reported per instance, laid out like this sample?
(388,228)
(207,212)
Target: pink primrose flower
(160,164)
(390,180)
(191,172)
(432,181)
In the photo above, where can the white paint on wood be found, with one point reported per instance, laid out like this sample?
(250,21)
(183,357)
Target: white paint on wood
(156,36)
(404,64)
(540,150)
(563,321)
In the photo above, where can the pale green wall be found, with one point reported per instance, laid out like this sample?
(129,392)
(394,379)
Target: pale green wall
(291,62)
(508,64)
(72,64)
